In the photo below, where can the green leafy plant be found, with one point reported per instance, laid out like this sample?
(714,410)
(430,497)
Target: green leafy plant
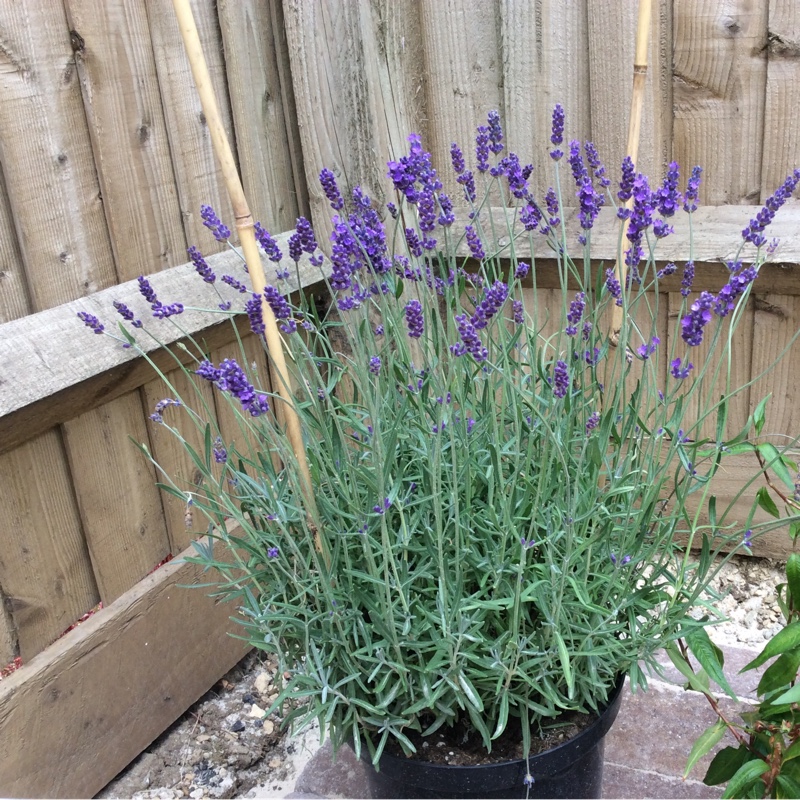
(508,506)
(765,761)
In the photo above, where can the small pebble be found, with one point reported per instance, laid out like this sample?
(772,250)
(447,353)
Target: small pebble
(237,726)
(248,698)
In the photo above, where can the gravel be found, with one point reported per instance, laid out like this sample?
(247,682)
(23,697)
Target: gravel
(224,746)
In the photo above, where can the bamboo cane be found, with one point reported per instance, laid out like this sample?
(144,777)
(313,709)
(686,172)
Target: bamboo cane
(245,227)
(634,132)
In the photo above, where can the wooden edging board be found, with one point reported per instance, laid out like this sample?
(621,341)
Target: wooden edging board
(84,708)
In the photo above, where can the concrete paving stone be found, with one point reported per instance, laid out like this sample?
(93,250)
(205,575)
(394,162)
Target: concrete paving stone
(655,731)
(625,782)
(343,777)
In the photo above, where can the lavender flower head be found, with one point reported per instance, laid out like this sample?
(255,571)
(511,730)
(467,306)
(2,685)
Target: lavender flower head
(414,319)
(557,132)
(560,379)
(482,148)
(576,308)
(212,222)
(328,182)
(91,322)
(268,243)
(457,158)
(495,132)
(474,242)
(692,191)
(200,265)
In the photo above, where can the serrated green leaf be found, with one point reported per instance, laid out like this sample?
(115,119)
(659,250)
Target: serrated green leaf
(781,673)
(710,658)
(745,777)
(765,501)
(781,642)
(704,743)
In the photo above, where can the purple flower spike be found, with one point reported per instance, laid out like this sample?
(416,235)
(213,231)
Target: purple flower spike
(592,422)
(495,132)
(457,157)
(648,348)
(414,319)
(375,365)
(518,311)
(668,198)
(467,180)
(482,148)
(754,231)
(678,370)
(692,191)
(688,278)
(551,201)
(576,308)
(328,181)
(273,552)
(234,283)
(596,165)
(200,264)
(127,314)
(447,217)
(557,132)
(699,316)
(474,242)
(560,379)
(268,243)
(613,286)
(91,321)
(253,309)
(280,308)
(212,222)
(626,183)
(220,453)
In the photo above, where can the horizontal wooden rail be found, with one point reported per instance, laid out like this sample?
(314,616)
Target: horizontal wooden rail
(51,368)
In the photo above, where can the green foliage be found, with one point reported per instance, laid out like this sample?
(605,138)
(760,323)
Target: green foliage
(502,532)
(765,763)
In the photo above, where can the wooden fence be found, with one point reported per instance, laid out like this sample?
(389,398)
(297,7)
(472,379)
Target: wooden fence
(105,160)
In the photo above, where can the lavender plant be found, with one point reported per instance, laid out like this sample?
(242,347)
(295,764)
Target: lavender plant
(511,508)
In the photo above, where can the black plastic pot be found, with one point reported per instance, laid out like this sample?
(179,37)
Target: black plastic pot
(571,770)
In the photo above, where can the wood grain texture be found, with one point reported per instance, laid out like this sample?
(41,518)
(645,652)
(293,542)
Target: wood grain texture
(197,176)
(45,570)
(465,77)
(119,504)
(67,372)
(351,108)
(14,301)
(545,60)
(9,648)
(267,139)
(719,79)
(47,158)
(612,40)
(776,319)
(781,153)
(129,137)
(175,465)
(76,715)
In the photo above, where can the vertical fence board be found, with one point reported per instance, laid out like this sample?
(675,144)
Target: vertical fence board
(117,498)
(47,160)
(14,300)
(8,637)
(342,112)
(170,454)
(781,131)
(265,134)
(129,137)
(545,61)
(720,72)
(612,40)
(44,565)
(465,77)
(196,172)
(777,317)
